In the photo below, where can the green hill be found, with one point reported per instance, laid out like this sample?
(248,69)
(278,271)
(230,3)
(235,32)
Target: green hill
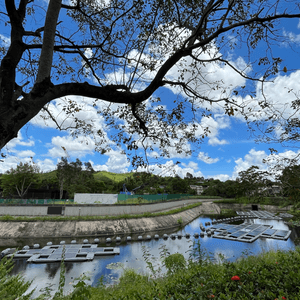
(113,176)
(48,176)
(99,176)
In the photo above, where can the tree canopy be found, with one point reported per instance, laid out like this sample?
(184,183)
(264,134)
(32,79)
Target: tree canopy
(120,53)
(74,178)
(18,180)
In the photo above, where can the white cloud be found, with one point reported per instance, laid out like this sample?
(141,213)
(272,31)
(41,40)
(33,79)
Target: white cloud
(191,165)
(215,141)
(253,158)
(11,161)
(292,37)
(4,40)
(19,141)
(26,153)
(117,163)
(74,147)
(205,158)
(214,124)
(171,169)
(275,163)
(279,95)
(15,154)
(46,165)
(213,79)
(222,177)
(154,154)
(88,52)
(82,108)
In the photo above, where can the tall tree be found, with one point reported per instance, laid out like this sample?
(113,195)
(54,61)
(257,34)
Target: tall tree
(290,181)
(18,180)
(74,178)
(63,174)
(253,182)
(122,52)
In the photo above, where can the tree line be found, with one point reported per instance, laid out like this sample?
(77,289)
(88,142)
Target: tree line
(72,177)
(69,178)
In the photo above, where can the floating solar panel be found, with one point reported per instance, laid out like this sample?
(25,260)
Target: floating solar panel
(72,253)
(248,232)
(259,214)
(285,215)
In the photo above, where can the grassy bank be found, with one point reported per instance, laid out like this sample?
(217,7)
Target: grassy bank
(272,275)
(96,218)
(141,200)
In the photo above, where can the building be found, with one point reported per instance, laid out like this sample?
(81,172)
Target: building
(198,188)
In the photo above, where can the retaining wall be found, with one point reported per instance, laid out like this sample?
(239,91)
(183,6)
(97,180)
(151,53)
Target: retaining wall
(16,233)
(240,206)
(93,209)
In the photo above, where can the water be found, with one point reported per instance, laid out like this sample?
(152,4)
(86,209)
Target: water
(131,256)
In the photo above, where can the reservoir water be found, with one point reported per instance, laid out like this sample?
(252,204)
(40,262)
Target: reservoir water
(131,256)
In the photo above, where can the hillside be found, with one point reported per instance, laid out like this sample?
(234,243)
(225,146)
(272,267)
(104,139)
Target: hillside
(113,176)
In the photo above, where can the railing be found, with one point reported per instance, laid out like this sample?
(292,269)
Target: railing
(36,201)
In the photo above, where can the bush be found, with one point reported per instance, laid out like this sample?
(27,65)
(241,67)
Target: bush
(12,287)
(268,276)
(174,263)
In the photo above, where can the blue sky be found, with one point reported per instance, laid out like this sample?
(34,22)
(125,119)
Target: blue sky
(228,149)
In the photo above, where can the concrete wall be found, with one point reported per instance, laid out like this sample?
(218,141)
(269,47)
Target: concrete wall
(114,210)
(94,209)
(240,207)
(96,198)
(24,210)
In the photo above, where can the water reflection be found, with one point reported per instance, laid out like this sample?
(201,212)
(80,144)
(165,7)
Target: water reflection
(131,256)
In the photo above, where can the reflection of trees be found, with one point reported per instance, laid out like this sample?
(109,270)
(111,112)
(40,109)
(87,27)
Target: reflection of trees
(52,268)
(19,266)
(69,266)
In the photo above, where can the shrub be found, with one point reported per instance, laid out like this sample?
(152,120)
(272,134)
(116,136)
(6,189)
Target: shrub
(12,287)
(174,263)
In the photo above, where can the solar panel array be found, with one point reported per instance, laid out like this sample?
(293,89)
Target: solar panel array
(248,233)
(70,252)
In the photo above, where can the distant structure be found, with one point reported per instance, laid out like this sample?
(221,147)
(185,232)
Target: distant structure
(198,188)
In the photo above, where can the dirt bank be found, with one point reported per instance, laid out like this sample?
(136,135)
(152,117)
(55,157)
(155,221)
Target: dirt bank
(10,231)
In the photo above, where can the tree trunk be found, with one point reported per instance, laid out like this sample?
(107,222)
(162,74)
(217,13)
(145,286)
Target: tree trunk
(45,62)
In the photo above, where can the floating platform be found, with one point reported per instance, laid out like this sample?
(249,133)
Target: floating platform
(261,214)
(72,253)
(248,232)
(285,215)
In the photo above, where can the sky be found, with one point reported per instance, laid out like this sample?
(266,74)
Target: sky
(229,148)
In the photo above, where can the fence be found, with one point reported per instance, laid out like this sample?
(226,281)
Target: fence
(36,201)
(153,198)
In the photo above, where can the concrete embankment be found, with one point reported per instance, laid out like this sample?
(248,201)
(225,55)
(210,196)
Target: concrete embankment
(252,206)
(10,232)
(92,209)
